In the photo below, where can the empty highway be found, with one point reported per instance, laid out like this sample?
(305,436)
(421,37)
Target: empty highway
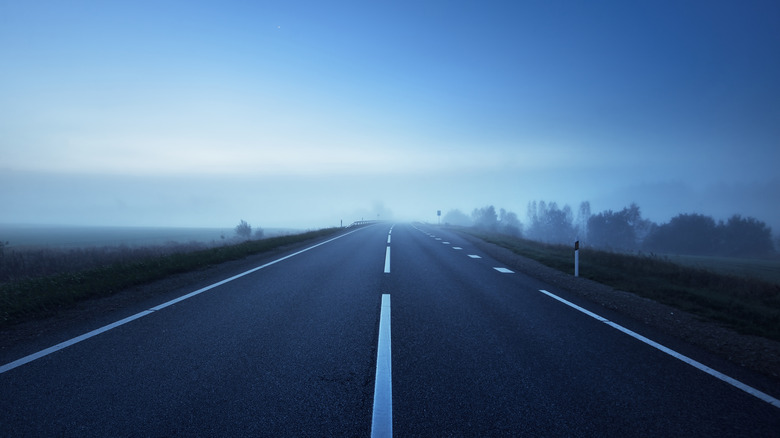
(387,329)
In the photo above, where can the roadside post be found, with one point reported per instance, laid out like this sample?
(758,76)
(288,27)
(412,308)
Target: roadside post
(577,258)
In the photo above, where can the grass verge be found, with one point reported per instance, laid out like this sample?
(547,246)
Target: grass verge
(750,306)
(36,297)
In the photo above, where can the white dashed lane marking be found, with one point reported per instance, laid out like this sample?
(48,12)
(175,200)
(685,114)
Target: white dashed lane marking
(382,417)
(473,256)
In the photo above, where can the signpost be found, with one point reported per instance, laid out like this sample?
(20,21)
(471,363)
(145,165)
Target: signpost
(577,258)
(438,213)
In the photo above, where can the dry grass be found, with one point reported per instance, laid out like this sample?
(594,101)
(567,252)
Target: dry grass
(35,283)
(24,263)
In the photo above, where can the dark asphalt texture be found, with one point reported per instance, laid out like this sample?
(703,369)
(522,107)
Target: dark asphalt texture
(290,350)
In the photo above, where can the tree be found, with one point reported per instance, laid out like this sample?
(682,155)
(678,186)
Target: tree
(457,217)
(509,223)
(745,237)
(685,234)
(533,218)
(243,230)
(617,230)
(550,224)
(583,216)
(485,218)
(700,235)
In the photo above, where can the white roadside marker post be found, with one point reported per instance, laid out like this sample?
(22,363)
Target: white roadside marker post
(577,258)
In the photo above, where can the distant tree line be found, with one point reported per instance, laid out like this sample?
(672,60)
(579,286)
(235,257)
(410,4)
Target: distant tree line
(626,230)
(486,218)
(699,234)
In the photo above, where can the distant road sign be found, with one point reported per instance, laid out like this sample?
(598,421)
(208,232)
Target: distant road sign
(438,212)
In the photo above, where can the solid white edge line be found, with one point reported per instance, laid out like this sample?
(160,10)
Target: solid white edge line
(45,352)
(387,261)
(717,374)
(382,417)
(68,343)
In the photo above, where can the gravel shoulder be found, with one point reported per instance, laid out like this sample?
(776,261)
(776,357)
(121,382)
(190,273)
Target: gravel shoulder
(752,352)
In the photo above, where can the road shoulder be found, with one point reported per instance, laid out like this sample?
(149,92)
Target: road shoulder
(752,352)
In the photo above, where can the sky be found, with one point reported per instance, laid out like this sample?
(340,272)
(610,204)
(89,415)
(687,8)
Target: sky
(306,114)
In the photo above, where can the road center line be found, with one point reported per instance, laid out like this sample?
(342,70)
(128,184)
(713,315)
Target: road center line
(717,374)
(85,336)
(387,261)
(382,417)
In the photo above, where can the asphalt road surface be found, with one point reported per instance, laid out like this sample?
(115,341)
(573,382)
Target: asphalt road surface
(399,329)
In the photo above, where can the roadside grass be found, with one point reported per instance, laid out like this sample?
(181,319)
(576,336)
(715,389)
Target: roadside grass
(748,305)
(767,269)
(36,296)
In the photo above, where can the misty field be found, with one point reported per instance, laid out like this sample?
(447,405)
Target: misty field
(739,294)
(48,236)
(36,281)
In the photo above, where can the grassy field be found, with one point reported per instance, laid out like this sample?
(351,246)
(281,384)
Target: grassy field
(761,269)
(748,304)
(35,296)
(27,236)
(54,236)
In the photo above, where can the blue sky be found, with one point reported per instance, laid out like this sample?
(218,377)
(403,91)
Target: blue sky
(305,113)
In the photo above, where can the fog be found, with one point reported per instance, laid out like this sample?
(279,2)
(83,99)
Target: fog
(306,116)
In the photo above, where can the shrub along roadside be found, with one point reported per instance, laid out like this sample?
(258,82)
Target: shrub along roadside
(36,297)
(747,305)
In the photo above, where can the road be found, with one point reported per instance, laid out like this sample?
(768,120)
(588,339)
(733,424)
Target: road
(293,349)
